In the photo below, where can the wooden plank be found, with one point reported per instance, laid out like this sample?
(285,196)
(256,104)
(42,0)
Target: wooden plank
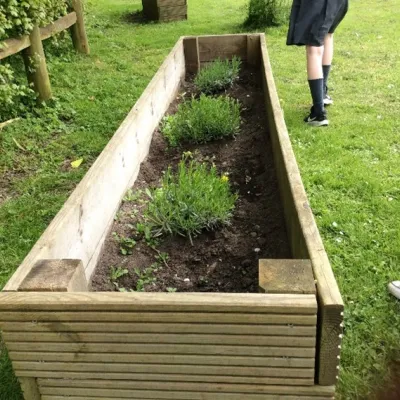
(232,329)
(286,362)
(254,50)
(159,371)
(183,302)
(184,386)
(174,18)
(154,395)
(189,396)
(120,393)
(286,276)
(30,388)
(172,3)
(57,276)
(58,26)
(78,30)
(306,240)
(169,317)
(87,213)
(13,46)
(223,47)
(192,58)
(163,338)
(35,65)
(170,12)
(256,351)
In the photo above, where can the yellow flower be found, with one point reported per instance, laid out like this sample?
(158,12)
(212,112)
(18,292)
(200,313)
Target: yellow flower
(225,178)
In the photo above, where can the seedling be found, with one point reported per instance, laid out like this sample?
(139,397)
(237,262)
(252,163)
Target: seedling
(145,277)
(117,273)
(126,244)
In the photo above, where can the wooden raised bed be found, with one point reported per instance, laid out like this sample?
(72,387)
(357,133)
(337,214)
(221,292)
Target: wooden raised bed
(165,10)
(66,342)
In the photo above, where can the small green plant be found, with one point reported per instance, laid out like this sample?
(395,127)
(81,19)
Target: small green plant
(171,290)
(162,258)
(126,244)
(266,13)
(117,273)
(132,196)
(146,277)
(144,231)
(202,120)
(217,76)
(193,199)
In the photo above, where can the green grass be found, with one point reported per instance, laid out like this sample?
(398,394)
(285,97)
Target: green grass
(351,169)
(202,120)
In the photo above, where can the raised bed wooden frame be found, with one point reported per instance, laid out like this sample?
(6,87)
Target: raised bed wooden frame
(66,342)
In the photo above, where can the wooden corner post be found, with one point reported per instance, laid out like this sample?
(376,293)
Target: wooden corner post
(192,57)
(30,388)
(35,65)
(78,30)
(50,276)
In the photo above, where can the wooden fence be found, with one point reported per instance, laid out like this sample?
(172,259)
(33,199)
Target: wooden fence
(31,47)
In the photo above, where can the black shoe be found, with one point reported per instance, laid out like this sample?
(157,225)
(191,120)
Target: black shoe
(315,119)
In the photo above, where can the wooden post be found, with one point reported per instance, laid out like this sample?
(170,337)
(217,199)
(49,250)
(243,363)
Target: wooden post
(78,30)
(30,388)
(55,276)
(36,68)
(286,277)
(192,57)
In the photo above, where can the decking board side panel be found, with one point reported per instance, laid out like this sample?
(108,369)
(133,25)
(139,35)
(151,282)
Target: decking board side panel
(304,236)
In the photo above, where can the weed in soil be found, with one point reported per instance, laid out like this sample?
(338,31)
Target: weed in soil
(202,120)
(218,76)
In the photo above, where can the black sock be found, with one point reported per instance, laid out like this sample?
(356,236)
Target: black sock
(326,69)
(317,93)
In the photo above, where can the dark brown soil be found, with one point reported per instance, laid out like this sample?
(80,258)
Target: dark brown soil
(225,260)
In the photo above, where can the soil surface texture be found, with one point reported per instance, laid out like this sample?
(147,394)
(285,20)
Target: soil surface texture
(225,260)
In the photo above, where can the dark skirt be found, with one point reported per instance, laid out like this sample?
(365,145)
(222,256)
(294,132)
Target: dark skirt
(312,20)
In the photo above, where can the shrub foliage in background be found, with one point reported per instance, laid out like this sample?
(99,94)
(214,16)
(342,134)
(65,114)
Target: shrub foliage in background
(17,17)
(266,13)
(195,198)
(202,120)
(218,76)
(14,97)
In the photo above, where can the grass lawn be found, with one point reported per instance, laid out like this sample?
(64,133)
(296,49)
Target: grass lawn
(351,169)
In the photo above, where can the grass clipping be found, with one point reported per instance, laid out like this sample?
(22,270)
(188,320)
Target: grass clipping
(194,199)
(202,120)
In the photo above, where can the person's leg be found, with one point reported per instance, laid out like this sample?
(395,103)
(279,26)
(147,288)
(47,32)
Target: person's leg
(316,83)
(326,65)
